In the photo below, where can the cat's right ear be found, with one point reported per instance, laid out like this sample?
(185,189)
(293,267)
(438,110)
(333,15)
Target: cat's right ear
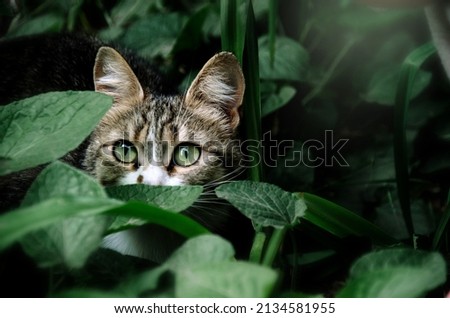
(219,84)
(114,77)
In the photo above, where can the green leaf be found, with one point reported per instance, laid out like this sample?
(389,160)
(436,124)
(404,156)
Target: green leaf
(233,26)
(364,19)
(43,128)
(69,242)
(265,204)
(252,96)
(46,23)
(176,199)
(154,35)
(200,250)
(290,62)
(191,35)
(408,74)
(18,223)
(398,272)
(152,214)
(111,34)
(172,198)
(443,225)
(126,11)
(72,240)
(138,285)
(274,97)
(60,179)
(340,221)
(227,279)
(383,85)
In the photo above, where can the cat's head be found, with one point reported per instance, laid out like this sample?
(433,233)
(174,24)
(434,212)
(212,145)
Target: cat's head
(156,139)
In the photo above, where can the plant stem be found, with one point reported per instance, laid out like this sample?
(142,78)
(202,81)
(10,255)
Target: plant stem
(273,246)
(294,276)
(258,246)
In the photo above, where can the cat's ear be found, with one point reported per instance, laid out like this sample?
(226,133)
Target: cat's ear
(114,77)
(220,83)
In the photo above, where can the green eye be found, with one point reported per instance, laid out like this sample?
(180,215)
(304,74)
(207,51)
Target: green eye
(186,155)
(124,151)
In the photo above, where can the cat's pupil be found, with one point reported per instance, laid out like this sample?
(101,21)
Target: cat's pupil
(186,155)
(124,151)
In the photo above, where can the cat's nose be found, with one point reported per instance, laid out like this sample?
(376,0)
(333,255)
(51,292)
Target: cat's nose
(153,175)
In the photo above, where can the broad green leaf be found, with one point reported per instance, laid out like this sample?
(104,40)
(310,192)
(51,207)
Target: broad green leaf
(60,179)
(226,279)
(18,223)
(72,240)
(397,272)
(127,11)
(69,242)
(265,204)
(210,27)
(43,128)
(197,251)
(176,199)
(152,214)
(274,97)
(154,35)
(204,249)
(191,35)
(365,19)
(290,62)
(172,198)
(111,34)
(46,23)
(141,283)
(383,85)
(340,221)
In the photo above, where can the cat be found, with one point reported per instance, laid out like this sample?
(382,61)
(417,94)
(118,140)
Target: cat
(151,135)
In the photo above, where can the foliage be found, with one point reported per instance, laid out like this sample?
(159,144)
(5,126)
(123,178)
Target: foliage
(368,221)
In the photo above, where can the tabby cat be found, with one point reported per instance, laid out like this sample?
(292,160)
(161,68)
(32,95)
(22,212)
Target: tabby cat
(151,135)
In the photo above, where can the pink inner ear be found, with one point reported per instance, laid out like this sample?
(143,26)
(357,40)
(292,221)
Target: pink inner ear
(220,82)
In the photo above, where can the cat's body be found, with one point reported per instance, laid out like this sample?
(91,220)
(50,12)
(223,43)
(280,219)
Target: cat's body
(150,135)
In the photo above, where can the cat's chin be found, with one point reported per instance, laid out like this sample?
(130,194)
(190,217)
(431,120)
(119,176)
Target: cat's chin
(150,242)
(151,175)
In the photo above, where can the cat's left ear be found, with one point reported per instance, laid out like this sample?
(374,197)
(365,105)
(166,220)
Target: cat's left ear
(220,83)
(114,77)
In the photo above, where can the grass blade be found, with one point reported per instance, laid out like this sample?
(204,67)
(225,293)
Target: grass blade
(443,226)
(252,98)
(340,221)
(273,10)
(408,73)
(228,16)
(232,28)
(240,38)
